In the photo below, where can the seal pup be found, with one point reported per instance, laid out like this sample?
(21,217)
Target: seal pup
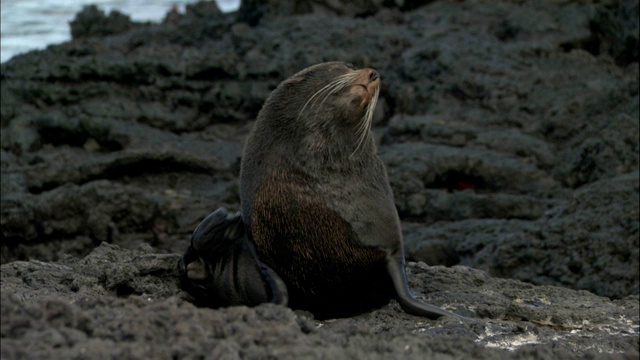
(320,229)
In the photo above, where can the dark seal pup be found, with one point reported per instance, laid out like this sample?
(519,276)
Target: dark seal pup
(319,230)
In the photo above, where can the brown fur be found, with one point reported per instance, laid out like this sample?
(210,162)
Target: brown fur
(312,248)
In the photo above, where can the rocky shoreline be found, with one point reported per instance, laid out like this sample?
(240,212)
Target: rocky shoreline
(509,129)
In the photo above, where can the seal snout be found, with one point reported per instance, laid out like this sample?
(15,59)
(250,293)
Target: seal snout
(374,75)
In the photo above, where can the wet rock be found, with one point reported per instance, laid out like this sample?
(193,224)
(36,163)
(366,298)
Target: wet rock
(610,150)
(434,182)
(92,21)
(616,30)
(598,230)
(254,11)
(583,242)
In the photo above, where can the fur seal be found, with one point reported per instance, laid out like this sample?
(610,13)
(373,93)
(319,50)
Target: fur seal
(318,230)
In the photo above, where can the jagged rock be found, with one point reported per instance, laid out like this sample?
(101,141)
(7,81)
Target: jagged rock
(92,21)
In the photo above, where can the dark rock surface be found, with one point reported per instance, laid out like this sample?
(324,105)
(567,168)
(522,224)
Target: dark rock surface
(117,303)
(510,132)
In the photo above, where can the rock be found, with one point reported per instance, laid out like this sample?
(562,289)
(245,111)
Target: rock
(433,182)
(616,27)
(119,302)
(582,243)
(609,151)
(254,11)
(92,21)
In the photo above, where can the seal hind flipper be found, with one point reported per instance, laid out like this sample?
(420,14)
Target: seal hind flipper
(219,268)
(408,303)
(216,233)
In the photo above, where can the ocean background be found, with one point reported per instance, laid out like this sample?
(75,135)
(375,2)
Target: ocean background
(33,24)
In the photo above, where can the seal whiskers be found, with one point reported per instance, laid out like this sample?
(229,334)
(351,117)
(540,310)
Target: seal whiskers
(334,86)
(364,126)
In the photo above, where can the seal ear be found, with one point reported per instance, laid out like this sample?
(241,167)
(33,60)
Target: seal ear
(293,80)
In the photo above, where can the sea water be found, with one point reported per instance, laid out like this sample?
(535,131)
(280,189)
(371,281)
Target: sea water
(33,24)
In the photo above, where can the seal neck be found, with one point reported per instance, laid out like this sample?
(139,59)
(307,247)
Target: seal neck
(337,144)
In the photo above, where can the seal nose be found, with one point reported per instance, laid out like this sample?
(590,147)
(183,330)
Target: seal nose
(374,75)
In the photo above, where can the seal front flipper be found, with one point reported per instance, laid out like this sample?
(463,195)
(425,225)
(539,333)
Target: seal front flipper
(220,269)
(411,305)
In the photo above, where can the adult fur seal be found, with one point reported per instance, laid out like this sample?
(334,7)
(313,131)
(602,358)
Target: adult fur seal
(318,229)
